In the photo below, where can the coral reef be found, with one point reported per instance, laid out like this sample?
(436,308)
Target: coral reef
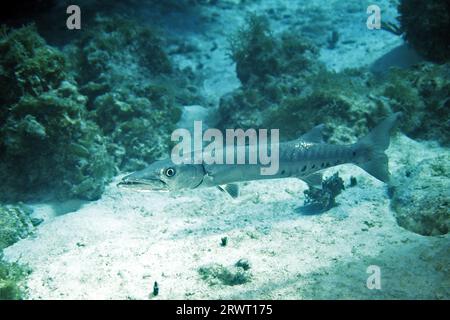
(134,91)
(28,65)
(420,196)
(294,91)
(260,55)
(426,25)
(137,130)
(49,145)
(47,142)
(334,99)
(112,51)
(285,86)
(71,117)
(422,94)
(218,274)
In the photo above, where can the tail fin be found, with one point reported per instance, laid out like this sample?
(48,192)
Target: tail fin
(373,146)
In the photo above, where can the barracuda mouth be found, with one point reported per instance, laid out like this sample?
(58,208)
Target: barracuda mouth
(143,185)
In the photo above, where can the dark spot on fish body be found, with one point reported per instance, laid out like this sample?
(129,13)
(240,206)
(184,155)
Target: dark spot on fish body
(313,166)
(283,172)
(322,165)
(304,168)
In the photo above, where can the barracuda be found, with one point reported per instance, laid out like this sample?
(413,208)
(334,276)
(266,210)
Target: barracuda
(304,158)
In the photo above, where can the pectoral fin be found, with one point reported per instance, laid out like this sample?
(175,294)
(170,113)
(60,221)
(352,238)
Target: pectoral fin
(232,189)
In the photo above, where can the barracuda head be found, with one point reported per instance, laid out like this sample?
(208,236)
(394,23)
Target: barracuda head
(164,175)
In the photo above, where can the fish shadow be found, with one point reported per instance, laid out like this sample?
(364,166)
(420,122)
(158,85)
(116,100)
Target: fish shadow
(311,209)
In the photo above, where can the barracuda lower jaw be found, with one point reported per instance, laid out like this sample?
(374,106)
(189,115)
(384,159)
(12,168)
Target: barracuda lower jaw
(151,185)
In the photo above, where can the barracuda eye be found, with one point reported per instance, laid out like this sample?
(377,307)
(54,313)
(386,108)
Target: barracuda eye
(169,172)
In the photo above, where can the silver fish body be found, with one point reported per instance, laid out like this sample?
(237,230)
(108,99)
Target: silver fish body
(298,159)
(303,158)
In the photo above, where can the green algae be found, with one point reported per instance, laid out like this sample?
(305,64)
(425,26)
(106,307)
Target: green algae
(12,276)
(15,224)
(259,54)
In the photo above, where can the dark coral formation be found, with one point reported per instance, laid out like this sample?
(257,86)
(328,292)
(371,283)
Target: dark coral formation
(319,200)
(420,196)
(426,25)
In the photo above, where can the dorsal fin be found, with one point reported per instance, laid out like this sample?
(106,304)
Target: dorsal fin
(314,135)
